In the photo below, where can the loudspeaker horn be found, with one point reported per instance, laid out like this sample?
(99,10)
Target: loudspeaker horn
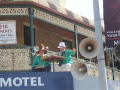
(117,52)
(79,70)
(89,47)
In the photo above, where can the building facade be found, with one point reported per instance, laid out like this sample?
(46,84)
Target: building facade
(39,21)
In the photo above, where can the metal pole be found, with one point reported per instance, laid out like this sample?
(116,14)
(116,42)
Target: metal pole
(76,41)
(113,70)
(112,59)
(100,57)
(32,32)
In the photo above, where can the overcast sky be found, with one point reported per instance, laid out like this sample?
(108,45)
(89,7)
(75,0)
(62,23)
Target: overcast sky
(84,7)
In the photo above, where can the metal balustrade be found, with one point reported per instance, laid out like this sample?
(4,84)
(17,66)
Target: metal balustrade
(18,59)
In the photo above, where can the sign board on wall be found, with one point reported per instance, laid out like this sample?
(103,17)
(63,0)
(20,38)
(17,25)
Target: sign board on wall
(8,32)
(50,81)
(36,81)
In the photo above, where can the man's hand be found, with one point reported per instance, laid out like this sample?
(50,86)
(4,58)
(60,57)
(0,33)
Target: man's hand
(43,66)
(36,67)
(73,49)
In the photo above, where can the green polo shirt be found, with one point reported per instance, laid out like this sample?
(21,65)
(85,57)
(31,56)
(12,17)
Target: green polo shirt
(67,54)
(39,62)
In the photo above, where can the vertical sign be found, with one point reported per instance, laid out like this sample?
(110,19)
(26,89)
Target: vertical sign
(112,22)
(8,32)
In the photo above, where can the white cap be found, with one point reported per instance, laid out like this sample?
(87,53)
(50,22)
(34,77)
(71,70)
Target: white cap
(61,44)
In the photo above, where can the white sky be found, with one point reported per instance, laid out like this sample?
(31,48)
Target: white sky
(84,7)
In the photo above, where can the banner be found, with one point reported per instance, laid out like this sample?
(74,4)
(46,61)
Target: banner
(36,81)
(8,32)
(112,22)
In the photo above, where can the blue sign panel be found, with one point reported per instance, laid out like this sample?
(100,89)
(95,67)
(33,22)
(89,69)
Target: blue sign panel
(92,83)
(36,81)
(113,85)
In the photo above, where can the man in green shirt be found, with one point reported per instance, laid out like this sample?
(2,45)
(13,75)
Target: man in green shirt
(66,63)
(38,64)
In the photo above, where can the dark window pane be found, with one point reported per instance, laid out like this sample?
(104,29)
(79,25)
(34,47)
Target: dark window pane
(68,43)
(27,36)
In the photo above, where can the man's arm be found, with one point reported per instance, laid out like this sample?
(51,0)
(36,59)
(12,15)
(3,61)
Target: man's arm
(74,50)
(34,62)
(71,52)
(47,63)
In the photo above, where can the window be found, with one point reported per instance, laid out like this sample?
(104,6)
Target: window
(115,62)
(68,43)
(27,36)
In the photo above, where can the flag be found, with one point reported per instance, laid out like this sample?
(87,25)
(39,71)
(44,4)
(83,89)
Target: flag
(112,22)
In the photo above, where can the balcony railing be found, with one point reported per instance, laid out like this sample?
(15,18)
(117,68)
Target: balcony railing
(17,59)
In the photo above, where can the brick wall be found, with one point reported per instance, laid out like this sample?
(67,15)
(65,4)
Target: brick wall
(68,34)
(45,33)
(48,34)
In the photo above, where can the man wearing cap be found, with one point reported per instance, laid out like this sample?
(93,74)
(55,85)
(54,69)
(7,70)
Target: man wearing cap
(66,63)
(38,64)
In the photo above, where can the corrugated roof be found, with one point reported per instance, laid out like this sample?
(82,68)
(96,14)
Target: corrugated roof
(60,10)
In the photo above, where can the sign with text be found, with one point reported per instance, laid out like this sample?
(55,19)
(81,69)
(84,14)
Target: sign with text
(8,32)
(36,81)
(112,22)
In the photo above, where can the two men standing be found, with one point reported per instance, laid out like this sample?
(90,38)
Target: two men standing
(44,66)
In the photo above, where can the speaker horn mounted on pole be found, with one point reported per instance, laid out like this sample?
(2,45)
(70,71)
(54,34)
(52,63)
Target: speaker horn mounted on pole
(89,47)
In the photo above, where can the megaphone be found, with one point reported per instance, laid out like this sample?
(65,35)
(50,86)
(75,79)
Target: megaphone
(79,70)
(117,52)
(89,47)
